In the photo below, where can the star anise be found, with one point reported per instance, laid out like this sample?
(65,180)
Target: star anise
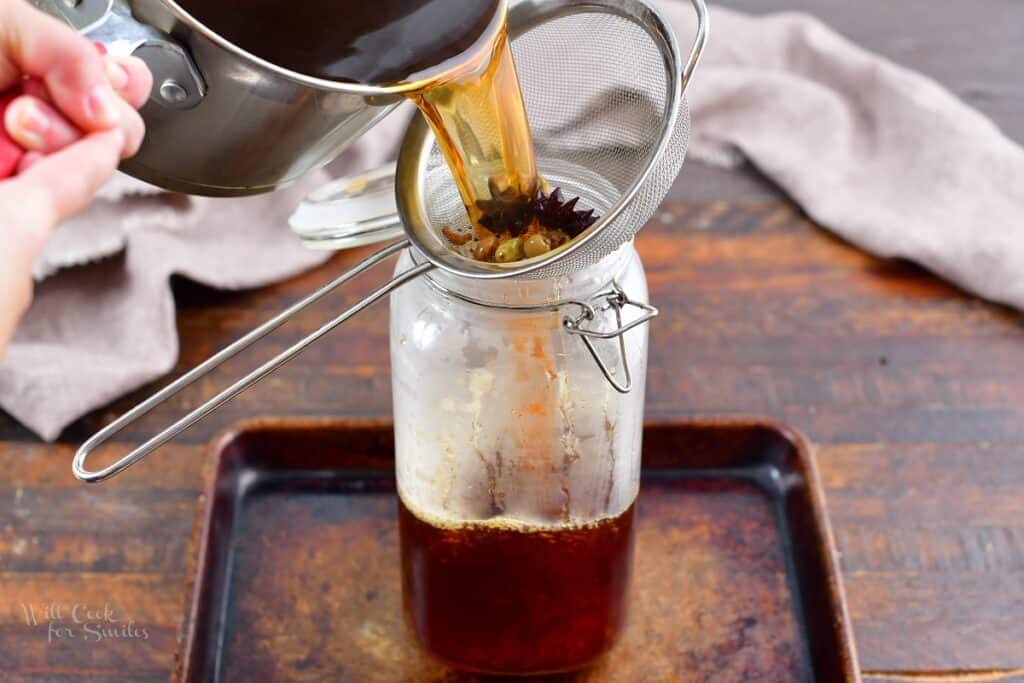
(506,214)
(508,210)
(510,213)
(555,213)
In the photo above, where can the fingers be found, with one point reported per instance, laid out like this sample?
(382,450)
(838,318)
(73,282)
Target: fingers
(52,188)
(48,190)
(132,126)
(130,77)
(38,127)
(29,159)
(36,88)
(74,72)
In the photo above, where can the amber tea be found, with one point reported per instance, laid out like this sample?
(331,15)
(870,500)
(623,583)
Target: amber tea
(481,125)
(475,107)
(514,599)
(503,599)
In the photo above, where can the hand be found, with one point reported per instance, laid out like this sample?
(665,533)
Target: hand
(74,118)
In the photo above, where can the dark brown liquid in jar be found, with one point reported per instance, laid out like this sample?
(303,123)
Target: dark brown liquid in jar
(508,599)
(371,42)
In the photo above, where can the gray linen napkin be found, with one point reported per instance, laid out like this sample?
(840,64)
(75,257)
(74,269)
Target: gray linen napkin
(96,332)
(100,327)
(882,156)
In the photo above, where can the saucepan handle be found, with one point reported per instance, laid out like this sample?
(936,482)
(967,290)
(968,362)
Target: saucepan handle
(177,82)
(204,368)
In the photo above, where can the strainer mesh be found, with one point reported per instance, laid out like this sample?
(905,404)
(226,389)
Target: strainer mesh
(596,86)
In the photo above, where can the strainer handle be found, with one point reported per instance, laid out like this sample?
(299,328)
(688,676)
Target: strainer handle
(204,368)
(700,40)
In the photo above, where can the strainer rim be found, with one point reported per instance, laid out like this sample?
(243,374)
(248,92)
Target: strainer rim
(418,141)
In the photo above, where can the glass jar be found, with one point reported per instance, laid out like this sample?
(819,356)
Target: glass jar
(518,421)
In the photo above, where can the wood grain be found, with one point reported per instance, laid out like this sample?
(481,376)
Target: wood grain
(910,389)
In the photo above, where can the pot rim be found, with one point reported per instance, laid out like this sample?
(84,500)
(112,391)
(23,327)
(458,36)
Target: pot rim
(445,71)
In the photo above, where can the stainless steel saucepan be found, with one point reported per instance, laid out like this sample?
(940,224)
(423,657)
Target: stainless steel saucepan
(221,121)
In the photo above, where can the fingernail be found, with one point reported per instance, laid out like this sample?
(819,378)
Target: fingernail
(101,105)
(117,75)
(28,124)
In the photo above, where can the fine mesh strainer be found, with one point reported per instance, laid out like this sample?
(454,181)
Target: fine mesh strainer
(603,82)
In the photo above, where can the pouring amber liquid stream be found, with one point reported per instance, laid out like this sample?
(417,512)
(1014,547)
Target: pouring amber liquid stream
(480,122)
(495,596)
(499,596)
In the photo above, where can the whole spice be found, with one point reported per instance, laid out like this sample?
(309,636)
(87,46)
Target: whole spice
(456,238)
(554,212)
(510,250)
(508,210)
(535,245)
(483,249)
(513,226)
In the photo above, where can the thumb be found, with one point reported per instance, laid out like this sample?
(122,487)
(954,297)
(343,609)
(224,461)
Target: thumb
(34,202)
(54,188)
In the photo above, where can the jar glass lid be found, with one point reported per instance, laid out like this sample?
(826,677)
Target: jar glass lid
(350,212)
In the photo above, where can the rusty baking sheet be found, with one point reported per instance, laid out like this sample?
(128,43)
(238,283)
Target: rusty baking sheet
(296,567)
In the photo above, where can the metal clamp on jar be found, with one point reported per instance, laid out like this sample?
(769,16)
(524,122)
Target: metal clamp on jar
(518,387)
(580,149)
(515,451)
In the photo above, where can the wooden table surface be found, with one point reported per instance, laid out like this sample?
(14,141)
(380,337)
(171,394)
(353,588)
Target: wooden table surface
(911,390)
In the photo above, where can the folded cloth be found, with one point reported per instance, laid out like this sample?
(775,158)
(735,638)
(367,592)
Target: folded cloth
(882,156)
(101,329)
